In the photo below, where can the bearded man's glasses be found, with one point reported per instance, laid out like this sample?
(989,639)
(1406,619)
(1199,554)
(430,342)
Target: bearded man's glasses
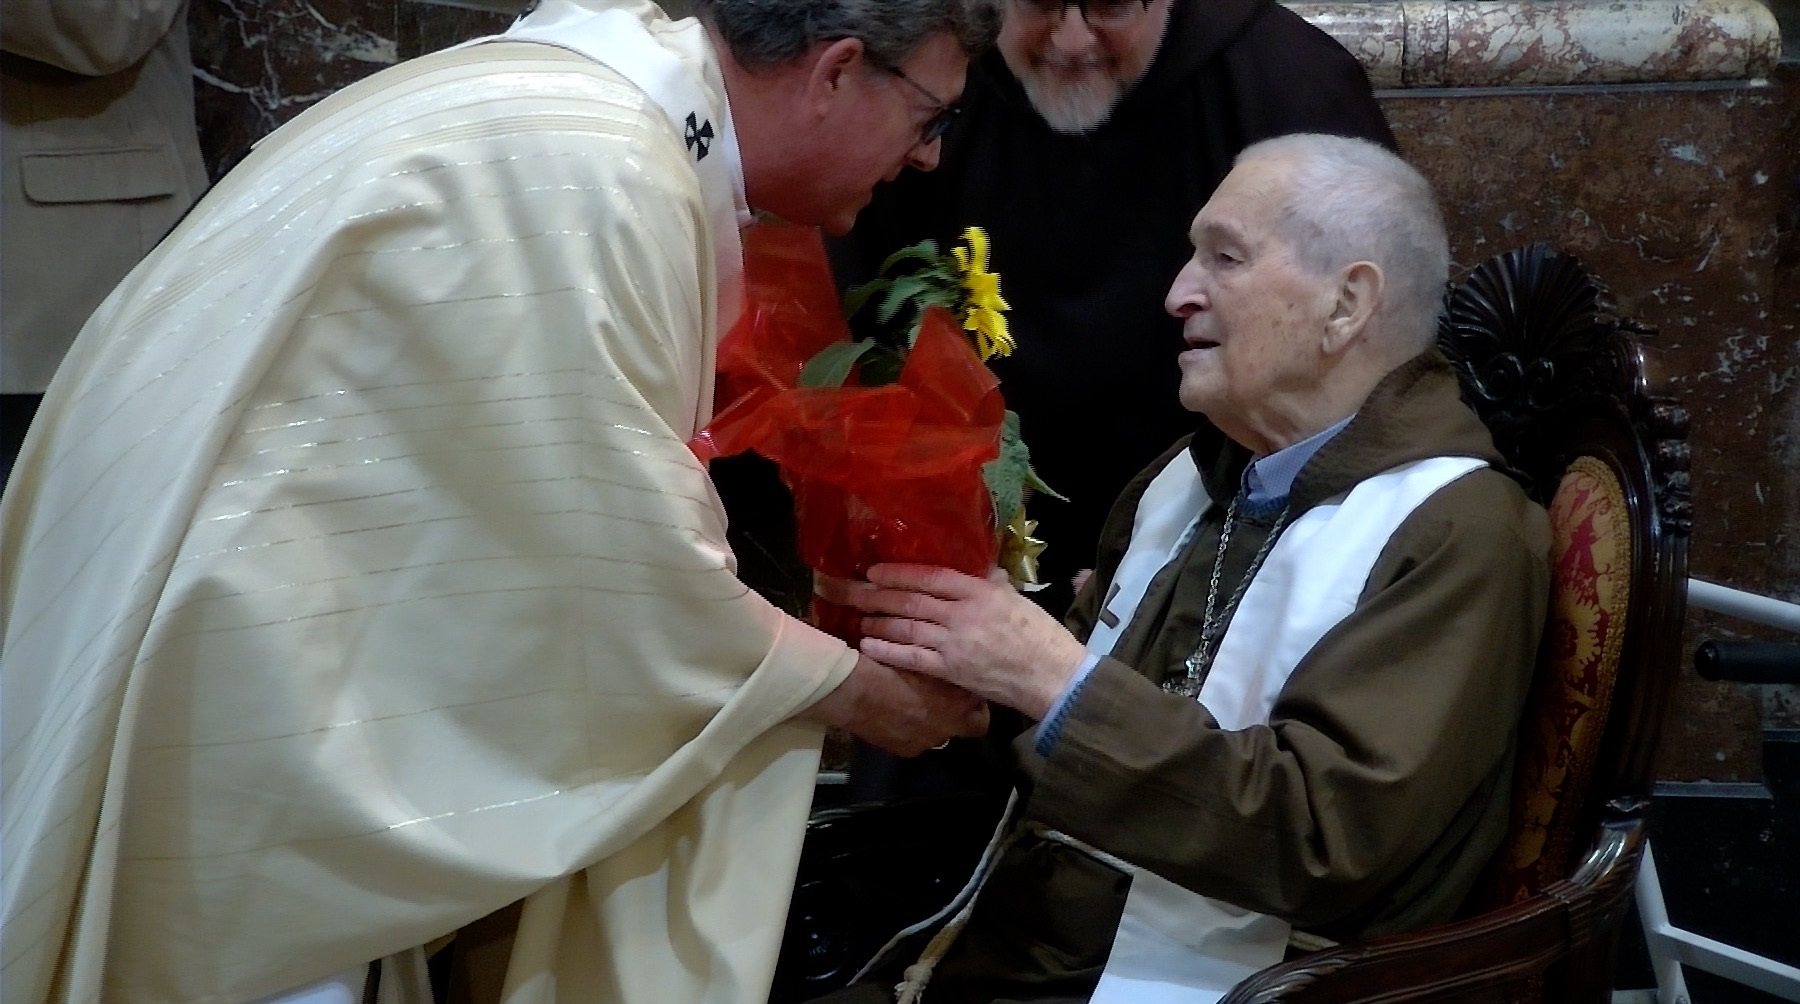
(1103,15)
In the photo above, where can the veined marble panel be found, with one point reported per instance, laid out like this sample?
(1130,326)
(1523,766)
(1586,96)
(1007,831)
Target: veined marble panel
(1685,199)
(1514,43)
(258,63)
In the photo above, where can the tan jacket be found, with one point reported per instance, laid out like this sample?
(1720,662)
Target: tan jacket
(98,159)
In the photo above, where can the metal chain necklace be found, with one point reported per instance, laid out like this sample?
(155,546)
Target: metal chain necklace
(1188,685)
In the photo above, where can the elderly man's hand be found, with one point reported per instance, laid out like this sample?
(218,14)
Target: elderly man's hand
(976,633)
(903,713)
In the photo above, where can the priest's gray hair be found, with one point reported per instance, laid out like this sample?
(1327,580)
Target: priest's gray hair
(767,33)
(1353,200)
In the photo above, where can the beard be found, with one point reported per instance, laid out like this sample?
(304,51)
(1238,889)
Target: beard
(1073,106)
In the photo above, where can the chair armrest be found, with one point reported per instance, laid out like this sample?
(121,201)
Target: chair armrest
(1567,930)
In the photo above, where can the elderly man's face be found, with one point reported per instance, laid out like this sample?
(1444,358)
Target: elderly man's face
(1073,71)
(1253,317)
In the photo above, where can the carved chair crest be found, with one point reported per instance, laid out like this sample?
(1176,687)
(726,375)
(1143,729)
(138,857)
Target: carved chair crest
(1532,334)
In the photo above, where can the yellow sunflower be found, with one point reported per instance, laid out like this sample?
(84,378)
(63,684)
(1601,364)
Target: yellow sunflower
(983,307)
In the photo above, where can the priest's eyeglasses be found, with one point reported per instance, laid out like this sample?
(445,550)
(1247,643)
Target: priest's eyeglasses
(1104,15)
(943,112)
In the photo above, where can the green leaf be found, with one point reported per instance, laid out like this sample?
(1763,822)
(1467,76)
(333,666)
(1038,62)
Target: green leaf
(832,366)
(881,366)
(902,290)
(925,250)
(1005,474)
(1010,474)
(1036,483)
(856,296)
(944,290)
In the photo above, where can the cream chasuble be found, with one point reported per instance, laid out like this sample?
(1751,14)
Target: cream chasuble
(358,581)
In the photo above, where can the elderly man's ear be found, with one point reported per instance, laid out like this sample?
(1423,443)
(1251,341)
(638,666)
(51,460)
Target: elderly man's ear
(1359,296)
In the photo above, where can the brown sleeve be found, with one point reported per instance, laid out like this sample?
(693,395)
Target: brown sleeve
(1399,717)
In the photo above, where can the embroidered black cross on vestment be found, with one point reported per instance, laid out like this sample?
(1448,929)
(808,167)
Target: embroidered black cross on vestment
(699,134)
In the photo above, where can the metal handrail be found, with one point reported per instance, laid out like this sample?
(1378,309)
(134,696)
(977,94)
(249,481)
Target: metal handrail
(1671,947)
(1765,610)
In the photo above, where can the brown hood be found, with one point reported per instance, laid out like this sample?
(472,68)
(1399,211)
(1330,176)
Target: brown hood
(1415,412)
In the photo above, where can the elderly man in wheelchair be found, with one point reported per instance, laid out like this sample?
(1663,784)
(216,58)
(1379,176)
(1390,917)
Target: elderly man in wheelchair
(1284,709)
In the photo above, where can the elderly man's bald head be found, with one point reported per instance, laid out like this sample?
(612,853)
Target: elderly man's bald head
(1351,200)
(1318,267)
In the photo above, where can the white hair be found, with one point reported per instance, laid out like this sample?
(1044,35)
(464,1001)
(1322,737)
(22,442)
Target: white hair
(1352,200)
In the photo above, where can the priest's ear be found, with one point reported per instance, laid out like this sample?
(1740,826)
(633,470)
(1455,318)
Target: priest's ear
(1361,288)
(832,65)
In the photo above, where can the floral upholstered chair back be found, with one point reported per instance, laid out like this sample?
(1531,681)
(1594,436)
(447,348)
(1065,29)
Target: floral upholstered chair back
(1559,379)
(1571,697)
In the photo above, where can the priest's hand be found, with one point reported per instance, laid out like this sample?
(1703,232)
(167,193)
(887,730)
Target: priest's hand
(901,712)
(980,634)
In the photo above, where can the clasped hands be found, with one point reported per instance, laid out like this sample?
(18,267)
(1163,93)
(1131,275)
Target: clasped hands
(946,643)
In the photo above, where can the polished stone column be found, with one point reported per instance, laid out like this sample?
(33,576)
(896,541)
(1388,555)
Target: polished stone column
(1514,43)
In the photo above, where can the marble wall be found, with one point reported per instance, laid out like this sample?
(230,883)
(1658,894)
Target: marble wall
(259,63)
(1684,197)
(1686,200)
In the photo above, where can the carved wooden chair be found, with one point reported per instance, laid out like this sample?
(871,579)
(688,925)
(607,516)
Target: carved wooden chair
(1559,378)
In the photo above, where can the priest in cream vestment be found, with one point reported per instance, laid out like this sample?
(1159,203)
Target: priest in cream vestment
(358,582)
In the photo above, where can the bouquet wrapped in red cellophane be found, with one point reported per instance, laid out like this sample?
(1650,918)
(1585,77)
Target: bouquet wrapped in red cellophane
(892,443)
